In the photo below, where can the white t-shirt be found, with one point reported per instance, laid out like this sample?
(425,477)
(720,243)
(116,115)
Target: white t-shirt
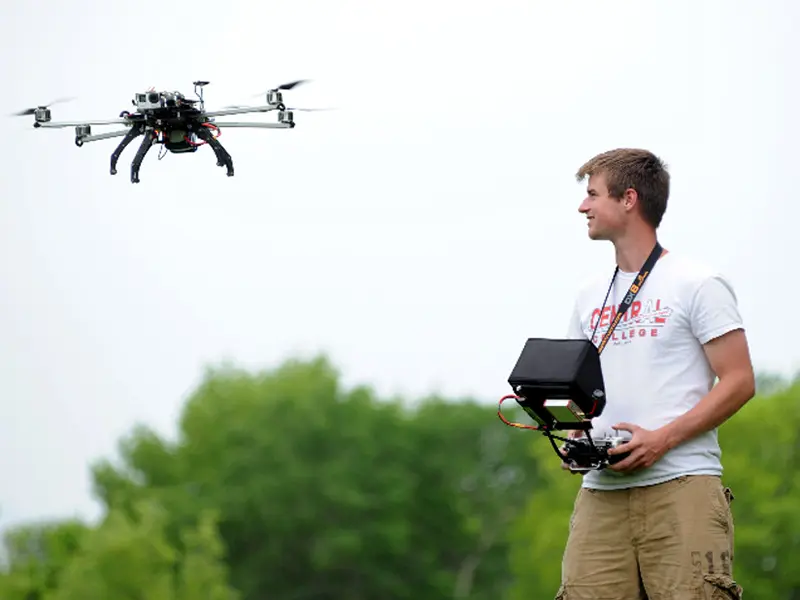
(654,367)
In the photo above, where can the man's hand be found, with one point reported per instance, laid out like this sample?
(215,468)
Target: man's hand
(645,447)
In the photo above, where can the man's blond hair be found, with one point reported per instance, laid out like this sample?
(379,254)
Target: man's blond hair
(632,168)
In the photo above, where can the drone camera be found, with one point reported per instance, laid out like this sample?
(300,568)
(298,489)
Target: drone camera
(156,100)
(172,99)
(148,101)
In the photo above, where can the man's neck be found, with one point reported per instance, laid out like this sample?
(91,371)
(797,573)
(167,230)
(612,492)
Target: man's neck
(632,250)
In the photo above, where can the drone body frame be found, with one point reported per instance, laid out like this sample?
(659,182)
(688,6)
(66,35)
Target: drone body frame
(181,125)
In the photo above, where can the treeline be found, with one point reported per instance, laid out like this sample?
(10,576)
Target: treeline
(282,485)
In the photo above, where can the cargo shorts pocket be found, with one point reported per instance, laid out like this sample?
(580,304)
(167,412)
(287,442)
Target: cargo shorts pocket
(721,587)
(729,497)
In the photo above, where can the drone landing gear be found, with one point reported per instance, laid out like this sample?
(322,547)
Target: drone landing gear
(223,158)
(133,132)
(147,142)
(144,147)
(150,138)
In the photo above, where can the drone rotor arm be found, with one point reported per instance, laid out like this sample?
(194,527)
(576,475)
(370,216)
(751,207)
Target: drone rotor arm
(81,139)
(255,125)
(242,110)
(62,124)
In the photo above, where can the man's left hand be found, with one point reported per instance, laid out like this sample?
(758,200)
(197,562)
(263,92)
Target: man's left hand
(646,447)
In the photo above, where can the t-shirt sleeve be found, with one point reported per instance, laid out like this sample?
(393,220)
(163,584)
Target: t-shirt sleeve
(574,329)
(714,309)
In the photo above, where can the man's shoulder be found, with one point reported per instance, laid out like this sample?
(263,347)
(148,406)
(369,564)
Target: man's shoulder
(689,274)
(707,296)
(689,267)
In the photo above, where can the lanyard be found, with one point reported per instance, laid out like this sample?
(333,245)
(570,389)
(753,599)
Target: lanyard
(636,285)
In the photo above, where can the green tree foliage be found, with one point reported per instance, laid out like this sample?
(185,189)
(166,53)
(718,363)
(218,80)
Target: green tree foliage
(124,557)
(328,493)
(132,558)
(36,556)
(762,466)
(538,539)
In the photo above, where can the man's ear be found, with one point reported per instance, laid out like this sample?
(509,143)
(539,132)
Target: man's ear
(629,199)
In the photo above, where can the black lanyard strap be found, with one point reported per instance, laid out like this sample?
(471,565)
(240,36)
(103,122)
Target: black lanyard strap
(636,285)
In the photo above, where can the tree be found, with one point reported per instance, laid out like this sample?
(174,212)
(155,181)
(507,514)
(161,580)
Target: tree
(37,555)
(203,572)
(324,492)
(541,531)
(131,558)
(761,453)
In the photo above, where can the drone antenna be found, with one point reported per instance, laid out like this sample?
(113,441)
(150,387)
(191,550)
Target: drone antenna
(199,94)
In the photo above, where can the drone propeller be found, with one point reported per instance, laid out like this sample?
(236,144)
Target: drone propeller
(294,109)
(292,84)
(30,111)
(285,86)
(236,106)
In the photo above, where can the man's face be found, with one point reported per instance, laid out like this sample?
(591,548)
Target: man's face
(605,215)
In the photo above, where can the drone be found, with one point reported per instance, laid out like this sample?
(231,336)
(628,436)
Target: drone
(180,124)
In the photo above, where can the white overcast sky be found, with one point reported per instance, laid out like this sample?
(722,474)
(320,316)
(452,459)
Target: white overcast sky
(418,234)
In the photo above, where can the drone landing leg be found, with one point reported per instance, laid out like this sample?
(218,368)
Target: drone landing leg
(134,131)
(147,143)
(223,158)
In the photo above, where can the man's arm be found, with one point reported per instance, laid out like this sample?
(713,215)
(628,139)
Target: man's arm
(729,357)
(717,325)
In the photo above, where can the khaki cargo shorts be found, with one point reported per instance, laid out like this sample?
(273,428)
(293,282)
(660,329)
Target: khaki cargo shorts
(671,541)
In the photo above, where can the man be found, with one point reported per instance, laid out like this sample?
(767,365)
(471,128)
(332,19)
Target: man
(656,525)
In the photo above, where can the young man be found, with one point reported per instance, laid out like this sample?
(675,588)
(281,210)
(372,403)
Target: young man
(656,525)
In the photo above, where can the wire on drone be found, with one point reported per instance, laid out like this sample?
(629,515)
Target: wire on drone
(543,429)
(210,126)
(511,423)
